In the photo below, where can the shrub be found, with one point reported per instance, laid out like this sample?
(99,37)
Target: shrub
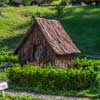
(59,11)
(29,76)
(3,75)
(3,2)
(84,62)
(11,58)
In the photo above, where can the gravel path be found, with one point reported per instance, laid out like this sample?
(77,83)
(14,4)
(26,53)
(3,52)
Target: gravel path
(47,97)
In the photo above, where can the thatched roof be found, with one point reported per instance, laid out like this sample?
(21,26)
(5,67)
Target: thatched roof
(55,35)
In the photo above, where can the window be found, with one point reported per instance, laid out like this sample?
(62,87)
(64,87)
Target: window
(37,51)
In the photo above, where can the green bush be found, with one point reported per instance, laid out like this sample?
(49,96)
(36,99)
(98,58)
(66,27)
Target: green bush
(3,2)
(84,62)
(59,11)
(29,76)
(11,58)
(3,75)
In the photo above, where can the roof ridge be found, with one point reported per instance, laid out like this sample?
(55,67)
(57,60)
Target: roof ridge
(39,18)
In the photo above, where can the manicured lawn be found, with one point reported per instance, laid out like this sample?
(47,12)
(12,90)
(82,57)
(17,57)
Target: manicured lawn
(82,23)
(14,23)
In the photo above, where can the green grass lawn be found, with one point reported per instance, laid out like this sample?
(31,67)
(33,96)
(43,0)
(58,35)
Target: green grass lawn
(81,22)
(56,2)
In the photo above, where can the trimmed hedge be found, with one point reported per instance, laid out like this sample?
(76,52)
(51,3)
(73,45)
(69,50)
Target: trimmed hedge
(29,76)
(84,62)
(10,58)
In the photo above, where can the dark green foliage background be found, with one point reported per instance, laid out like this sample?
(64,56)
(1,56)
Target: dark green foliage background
(10,58)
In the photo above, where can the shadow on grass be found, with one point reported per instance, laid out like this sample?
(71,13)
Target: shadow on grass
(82,24)
(11,42)
(23,26)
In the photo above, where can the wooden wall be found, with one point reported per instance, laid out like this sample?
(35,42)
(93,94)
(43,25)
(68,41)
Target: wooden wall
(48,55)
(64,61)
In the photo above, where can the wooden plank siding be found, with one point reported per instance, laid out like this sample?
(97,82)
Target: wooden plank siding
(49,56)
(58,48)
(37,38)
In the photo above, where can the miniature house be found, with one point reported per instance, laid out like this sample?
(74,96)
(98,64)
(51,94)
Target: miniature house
(47,42)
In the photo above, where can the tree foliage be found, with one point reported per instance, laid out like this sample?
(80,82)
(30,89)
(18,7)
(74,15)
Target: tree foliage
(24,2)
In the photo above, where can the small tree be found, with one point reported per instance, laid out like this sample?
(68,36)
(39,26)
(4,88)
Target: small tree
(59,11)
